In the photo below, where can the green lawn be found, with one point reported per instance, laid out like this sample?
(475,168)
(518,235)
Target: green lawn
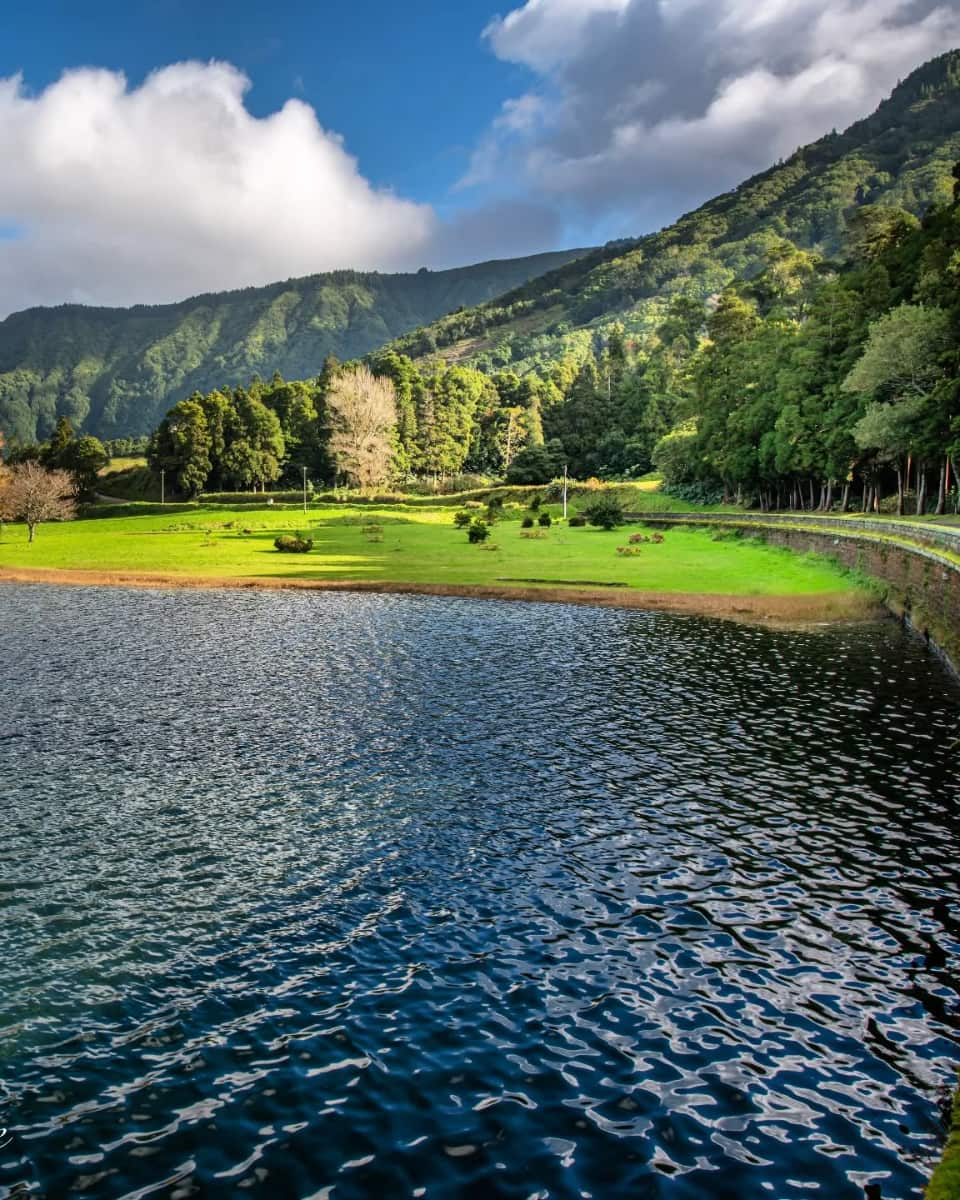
(414,545)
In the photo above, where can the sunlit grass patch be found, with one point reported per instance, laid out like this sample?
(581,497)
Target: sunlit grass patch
(420,545)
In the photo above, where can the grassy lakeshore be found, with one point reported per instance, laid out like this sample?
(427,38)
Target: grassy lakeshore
(945,1184)
(418,547)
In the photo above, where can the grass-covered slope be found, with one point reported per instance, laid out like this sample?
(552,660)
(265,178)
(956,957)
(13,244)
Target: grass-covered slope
(902,155)
(115,371)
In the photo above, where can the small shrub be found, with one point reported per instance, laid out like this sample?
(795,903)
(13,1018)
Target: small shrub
(478,532)
(292,543)
(533,533)
(462,519)
(474,504)
(629,551)
(637,539)
(535,502)
(526,523)
(545,520)
(657,539)
(577,522)
(606,512)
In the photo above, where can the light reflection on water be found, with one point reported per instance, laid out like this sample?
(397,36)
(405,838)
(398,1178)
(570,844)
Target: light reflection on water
(373,894)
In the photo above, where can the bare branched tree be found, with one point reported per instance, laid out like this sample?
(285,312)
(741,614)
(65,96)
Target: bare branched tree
(30,494)
(363,418)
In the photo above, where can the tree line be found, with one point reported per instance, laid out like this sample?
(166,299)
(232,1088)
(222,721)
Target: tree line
(817,383)
(80,457)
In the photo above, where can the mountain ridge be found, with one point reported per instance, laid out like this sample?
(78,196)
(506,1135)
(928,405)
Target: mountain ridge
(901,154)
(113,371)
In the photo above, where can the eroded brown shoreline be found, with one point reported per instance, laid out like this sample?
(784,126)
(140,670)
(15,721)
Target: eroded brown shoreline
(774,610)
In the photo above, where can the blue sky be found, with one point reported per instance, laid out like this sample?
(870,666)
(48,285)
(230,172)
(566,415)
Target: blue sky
(154,149)
(410,87)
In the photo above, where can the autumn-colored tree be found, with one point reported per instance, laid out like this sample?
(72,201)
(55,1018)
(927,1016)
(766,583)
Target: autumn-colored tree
(33,495)
(363,419)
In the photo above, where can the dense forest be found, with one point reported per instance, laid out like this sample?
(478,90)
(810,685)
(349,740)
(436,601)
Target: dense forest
(814,384)
(113,372)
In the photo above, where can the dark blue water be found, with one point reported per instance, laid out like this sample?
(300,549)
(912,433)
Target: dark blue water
(353,896)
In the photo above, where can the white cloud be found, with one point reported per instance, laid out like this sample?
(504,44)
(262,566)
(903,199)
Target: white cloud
(645,108)
(156,192)
(545,32)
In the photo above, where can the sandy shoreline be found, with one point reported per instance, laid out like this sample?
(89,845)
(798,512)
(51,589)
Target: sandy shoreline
(792,610)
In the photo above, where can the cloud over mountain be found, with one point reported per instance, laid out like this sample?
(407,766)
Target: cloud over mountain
(636,111)
(643,108)
(154,192)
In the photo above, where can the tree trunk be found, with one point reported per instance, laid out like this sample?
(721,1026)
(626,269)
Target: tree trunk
(942,490)
(828,499)
(899,491)
(845,499)
(921,490)
(32,528)
(811,495)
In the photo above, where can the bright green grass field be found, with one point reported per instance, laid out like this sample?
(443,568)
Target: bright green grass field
(419,545)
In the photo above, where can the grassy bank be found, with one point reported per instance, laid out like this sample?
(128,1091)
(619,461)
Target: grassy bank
(945,1184)
(419,545)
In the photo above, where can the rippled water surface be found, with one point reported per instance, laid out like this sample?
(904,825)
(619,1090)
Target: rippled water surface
(338,897)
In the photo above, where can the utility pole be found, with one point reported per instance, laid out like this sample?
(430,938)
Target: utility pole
(564,491)
(304,491)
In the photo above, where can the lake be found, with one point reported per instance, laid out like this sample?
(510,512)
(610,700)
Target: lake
(328,896)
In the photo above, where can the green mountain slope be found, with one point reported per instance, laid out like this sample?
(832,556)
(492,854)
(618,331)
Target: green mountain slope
(114,372)
(901,155)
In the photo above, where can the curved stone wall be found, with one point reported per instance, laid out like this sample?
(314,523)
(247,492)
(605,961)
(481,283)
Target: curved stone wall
(922,581)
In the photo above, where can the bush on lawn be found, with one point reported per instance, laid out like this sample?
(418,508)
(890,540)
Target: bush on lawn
(293,543)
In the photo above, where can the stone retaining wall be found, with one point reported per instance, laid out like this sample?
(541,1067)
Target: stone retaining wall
(923,587)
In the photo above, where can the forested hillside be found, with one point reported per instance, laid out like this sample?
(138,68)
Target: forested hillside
(811,385)
(900,156)
(113,372)
(818,369)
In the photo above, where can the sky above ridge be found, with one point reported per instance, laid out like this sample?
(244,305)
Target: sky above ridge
(154,149)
